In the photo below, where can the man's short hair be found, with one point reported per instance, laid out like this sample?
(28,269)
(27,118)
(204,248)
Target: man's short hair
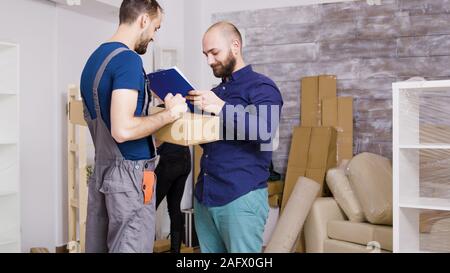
(228,29)
(130,10)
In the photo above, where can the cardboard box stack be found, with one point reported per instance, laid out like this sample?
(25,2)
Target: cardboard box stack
(320,106)
(313,152)
(324,139)
(314,91)
(338,113)
(275,190)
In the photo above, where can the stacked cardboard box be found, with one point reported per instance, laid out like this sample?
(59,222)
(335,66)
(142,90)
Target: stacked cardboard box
(314,91)
(275,190)
(320,106)
(313,152)
(325,138)
(275,201)
(313,148)
(338,113)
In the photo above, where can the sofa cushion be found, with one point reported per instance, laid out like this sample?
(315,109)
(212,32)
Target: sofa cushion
(361,233)
(370,177)
(335,246)
(323,210)
(339,185)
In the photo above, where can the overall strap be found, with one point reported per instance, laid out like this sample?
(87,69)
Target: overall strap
(99,75)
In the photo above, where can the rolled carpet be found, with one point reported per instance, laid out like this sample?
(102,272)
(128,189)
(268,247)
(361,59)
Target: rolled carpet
(293,216)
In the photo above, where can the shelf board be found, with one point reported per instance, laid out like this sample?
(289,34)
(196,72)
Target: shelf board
(443,85)
(426,203)
(8,193)
(7,45)
(8,93)
(425,146)
(416,251)
(9,242)
(8,142)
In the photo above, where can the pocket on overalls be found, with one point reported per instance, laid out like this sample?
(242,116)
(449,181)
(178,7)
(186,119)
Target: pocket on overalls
(110,186)
(121,198)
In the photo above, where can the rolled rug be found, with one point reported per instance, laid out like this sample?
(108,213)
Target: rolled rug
(293,216)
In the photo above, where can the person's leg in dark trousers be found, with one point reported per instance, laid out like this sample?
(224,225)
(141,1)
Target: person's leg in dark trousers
(174,197)
(172,172)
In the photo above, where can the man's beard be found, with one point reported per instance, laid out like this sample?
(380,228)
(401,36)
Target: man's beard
(142,46)
(226,68)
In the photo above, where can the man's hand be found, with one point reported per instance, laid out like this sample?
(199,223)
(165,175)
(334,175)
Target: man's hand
(176,105)
(206,100)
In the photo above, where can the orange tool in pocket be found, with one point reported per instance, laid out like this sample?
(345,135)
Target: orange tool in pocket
(148,186)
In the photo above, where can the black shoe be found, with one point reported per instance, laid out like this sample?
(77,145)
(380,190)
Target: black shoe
(175,242)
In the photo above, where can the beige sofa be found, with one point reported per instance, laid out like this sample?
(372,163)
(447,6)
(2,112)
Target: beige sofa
(327,230)
(358,218)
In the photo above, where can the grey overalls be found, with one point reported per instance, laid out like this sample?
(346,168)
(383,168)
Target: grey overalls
(117,218)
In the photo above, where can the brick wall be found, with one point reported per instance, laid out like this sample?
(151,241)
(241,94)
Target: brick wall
(367,47)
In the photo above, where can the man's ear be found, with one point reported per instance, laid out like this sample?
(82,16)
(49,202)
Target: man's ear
(144,20)
(236,46)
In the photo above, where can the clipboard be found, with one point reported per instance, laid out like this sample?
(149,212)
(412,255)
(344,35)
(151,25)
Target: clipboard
(170,80)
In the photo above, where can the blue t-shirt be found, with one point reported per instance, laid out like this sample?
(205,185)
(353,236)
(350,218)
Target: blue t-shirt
(125,71)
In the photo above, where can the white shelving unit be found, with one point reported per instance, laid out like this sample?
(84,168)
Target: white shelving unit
(9,149)
(421,161)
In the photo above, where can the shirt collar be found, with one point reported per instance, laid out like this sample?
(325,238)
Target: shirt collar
(239,74)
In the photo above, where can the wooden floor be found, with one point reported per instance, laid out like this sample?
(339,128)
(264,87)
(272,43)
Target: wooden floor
(163,246)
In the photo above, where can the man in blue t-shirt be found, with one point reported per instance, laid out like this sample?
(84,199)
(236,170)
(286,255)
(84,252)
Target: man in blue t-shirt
(121,205)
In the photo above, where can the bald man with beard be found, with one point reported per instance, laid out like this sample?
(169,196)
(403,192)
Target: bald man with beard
(231,205)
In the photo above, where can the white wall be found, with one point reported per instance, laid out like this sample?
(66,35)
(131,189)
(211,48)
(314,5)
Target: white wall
(33,31)
(78,36)
(55,44)
(171,34)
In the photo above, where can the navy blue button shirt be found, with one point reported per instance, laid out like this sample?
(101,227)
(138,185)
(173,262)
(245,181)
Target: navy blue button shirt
(237,164)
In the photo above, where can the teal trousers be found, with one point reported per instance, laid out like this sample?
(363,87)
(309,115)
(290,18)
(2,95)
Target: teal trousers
(236,227)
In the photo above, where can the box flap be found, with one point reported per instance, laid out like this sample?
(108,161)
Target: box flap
(310,101)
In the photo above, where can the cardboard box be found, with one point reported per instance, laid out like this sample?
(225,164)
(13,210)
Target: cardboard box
(314,90)
(161,246)
(322,156)
(275,201)
(312,154)
(330,112)
(310,101)
(198,152)
(185,249)
(297,161)
(190,129)
(338,113)
(76,114)
(275,187)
